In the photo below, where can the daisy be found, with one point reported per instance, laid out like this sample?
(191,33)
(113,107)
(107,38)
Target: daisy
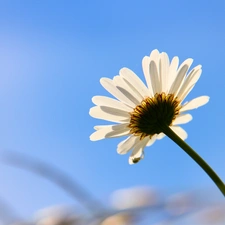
(144,112)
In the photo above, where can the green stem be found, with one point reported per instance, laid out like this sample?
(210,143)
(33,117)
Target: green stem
(173,136)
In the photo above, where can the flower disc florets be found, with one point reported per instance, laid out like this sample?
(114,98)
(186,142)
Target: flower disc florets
(147,118)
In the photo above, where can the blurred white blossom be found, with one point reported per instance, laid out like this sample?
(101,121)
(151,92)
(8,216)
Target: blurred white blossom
(134,197)
(119,219)
(57,215)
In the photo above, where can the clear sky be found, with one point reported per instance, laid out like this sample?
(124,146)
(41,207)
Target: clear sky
(52,56)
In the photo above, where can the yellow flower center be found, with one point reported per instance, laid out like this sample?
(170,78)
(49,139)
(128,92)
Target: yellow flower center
(147,118)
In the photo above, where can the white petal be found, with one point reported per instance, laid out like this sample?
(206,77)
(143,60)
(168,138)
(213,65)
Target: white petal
(115,126)
(138,152)
(154,56)
(182,119)
(145,67)
(135,81)
(160,136)
(195,103)
(180,132)
(106,101)
(172,71)
(112,126)
(151,141)
(112,89)
(187,91)
(99,127)
(156,87)
(114,111)
(130,92)
(180,76)
(163,71)
(110,114)
(109,131)
(189,82)
(135,92)
(127,144)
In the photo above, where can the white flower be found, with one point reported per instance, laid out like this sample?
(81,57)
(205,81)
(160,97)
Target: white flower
(119,219)
(57,215)
(134,197)
(139,111)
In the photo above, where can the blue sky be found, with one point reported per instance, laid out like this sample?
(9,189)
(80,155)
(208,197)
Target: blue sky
(52,56)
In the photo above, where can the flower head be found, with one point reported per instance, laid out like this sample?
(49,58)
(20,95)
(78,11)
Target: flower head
(139,111)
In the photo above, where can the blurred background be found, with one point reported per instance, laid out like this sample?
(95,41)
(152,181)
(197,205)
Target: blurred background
(52,55)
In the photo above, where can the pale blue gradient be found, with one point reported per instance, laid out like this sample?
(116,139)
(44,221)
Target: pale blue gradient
(52,56)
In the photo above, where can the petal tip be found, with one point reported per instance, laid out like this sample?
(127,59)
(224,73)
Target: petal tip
(155,51)
(205,100)
(91,111)
(92,137)
(120,151)
(96,136)
(93,99)
(134,160)
(103,79)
